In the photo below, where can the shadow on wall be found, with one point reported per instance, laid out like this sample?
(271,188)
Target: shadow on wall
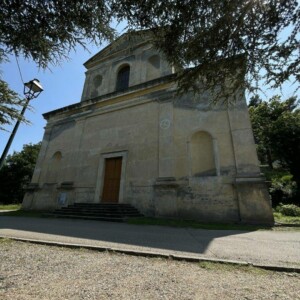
(59,129)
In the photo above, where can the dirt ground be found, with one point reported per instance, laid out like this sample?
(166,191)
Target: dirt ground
(29,271)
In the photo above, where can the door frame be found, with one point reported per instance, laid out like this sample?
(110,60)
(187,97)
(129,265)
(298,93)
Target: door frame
(101,173)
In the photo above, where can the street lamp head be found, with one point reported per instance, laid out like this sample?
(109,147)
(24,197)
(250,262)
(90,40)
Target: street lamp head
(32,89)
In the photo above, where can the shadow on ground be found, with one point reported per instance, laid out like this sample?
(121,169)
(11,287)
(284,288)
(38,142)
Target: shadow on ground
(150,236)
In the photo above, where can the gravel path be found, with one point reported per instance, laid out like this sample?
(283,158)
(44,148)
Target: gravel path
(29,271)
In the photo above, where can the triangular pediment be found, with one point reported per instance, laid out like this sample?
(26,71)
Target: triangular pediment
(128,40)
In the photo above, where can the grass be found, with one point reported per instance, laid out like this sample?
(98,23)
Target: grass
(16,211)
(5,241)
(10,207)
(280,218)
(192,224)
(23,213)
(226,267)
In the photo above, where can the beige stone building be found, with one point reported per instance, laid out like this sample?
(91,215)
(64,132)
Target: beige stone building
(132,140)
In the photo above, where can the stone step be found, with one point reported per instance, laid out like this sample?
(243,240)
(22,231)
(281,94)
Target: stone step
(91,213)
(97,211)
(102,204)
(97,218)
(86,210)
(102,208)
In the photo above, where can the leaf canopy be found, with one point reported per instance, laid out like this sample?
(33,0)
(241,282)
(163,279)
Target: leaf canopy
(222,46)
(206,36)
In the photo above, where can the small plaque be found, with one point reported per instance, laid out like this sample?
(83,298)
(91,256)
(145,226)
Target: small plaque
(62,199)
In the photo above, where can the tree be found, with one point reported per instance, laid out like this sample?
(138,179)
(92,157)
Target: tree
(276,129)
(285,141)
(197,33)
(208,35)
(17,173)
(47,30)
(10,104)
(265,118)
(210,42)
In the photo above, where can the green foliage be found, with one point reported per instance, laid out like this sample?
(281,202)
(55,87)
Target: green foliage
(10,104)
(211,43)
(24,213)
(285,141)
(5,241)
(10,207)
(273,123)
(285,183)
(47,30)
(283,219)
(273,173)
(206,36)
(198,34)
(288,210)
(17,172)
(282,189)
(276,129)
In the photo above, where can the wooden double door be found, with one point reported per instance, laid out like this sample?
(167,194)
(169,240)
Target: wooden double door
(112,180)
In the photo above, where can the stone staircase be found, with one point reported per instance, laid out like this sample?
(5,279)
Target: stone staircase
(99,211)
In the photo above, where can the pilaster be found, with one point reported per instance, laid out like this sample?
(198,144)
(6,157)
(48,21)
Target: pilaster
(166,145)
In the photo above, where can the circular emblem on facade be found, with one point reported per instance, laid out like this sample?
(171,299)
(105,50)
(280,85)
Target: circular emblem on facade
(165,124)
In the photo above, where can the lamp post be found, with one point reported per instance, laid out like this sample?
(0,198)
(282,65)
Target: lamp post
(32,89)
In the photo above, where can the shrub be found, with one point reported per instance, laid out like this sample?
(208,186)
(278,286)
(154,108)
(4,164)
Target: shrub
(288,210)
(283,188)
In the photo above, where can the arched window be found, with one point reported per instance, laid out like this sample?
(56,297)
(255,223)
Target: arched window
(123,78)
(202,154)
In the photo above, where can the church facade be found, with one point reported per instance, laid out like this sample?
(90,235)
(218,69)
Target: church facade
(133,140)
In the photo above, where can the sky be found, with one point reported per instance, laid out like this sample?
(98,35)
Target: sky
(63,86)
